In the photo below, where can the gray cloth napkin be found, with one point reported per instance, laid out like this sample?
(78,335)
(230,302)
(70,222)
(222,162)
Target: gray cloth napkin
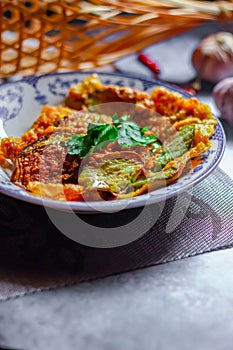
(35,256)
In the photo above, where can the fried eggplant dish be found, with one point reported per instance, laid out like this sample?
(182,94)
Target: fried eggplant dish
(109,142)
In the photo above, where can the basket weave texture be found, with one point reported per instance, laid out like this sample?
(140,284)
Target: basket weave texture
(40,36)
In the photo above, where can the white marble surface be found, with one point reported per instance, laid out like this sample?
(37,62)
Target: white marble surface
(183,305)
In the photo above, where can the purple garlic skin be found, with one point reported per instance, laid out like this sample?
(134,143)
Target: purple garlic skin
(223,96)
(213,57)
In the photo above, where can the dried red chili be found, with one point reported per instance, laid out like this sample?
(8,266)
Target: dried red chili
(150,63)
(154,67)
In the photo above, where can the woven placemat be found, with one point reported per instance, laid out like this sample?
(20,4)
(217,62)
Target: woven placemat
(35,256)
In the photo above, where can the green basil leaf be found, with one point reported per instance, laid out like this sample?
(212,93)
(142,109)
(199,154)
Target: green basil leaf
(75,144)
(115,119)
(127,133)
(108,133)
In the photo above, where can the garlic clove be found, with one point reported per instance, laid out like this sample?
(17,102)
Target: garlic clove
(223,96)
(213,57)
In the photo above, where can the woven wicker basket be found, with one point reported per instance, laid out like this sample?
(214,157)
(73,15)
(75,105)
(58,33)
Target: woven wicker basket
(46,36)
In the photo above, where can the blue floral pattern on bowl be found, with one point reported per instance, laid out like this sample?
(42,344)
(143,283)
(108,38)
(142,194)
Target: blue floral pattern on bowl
(11,101)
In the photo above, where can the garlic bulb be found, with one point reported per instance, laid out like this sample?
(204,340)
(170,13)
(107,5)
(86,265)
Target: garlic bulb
(213,57)
(223,96)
